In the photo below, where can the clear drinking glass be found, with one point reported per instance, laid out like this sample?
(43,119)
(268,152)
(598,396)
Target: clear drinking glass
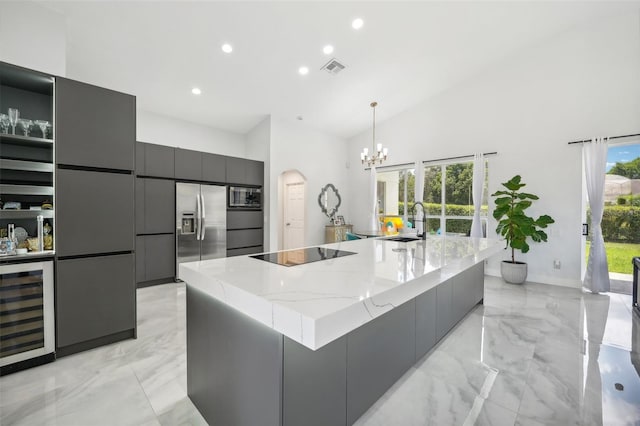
(26,125)
(43,124)
(14,115)
(4,123)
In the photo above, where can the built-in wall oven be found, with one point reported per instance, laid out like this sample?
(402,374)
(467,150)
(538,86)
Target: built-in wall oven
(245,197)
(26,315)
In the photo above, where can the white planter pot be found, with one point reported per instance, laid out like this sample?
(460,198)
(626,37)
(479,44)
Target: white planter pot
(514,273)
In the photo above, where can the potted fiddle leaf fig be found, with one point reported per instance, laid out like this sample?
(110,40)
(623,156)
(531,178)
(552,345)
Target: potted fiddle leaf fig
(516,227)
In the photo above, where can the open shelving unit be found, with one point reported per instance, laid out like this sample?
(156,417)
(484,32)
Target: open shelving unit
(26,162)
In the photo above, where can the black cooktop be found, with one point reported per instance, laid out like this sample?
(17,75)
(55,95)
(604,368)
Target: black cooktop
(301,256)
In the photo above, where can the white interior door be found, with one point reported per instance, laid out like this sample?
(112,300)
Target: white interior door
(294,204)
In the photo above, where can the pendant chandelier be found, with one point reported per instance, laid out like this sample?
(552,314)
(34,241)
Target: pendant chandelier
(378,153)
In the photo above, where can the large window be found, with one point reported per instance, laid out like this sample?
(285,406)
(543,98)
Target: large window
(449,200)
(395,192)
(447,196)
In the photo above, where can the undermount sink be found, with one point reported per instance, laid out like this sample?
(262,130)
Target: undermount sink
(402,239)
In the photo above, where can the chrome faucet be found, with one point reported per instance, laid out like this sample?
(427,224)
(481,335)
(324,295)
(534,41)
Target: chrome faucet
(424,220)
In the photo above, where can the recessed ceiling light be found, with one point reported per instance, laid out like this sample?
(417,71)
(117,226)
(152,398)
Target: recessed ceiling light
(328,49)
(227,48)
(303,70)
(196,91)
(357,23)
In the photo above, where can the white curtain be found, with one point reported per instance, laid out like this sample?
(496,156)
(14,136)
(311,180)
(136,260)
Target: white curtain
(478,186)
(373,206)
(418,197)
(595,163)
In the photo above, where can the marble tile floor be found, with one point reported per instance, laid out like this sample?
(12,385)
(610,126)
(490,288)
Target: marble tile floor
(531,355)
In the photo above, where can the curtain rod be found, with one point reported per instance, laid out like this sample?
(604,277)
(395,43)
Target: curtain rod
(612,137)
(432,161)
(458,157)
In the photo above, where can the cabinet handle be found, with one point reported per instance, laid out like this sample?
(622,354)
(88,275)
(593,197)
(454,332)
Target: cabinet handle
(288,224)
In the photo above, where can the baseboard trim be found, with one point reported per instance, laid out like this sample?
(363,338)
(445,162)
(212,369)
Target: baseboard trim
(94,343)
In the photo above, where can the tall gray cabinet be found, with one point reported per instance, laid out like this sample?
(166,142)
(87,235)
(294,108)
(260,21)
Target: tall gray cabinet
(95,283)
(155,214)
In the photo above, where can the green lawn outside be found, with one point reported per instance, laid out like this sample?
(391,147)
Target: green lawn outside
(619,256)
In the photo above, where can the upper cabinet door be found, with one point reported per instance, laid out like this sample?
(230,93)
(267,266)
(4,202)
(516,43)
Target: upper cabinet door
(159,161)
(254,174)
(245,172)
(96,127)
(214,167)
(188,164)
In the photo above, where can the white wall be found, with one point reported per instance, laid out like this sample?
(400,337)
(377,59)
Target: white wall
(258,146)
(580,83)
(163,130)
(317,156)
(33,36)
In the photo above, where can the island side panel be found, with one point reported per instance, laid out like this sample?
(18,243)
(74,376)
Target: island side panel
(378,354)
(315,385)
(234,364)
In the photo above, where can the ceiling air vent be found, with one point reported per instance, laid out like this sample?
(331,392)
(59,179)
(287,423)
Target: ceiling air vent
(333,66)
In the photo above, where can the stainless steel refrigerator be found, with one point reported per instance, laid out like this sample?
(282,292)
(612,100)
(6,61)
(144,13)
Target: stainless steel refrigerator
(201,222)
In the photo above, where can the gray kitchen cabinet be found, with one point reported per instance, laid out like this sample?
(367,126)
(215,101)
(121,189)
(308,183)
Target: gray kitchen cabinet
(140,148)
(462,294)
(245,172)
(188,164)
(245,250)
(155,206)
(240,219)
(314,388)
(254,174)
(155,257)
(444,316)
(95,127)
(214,167)
(94,212)
(95,297)
(140,258)
(156,161)
(235,170)
(240,238)
(378,353)
(478,276)
(425,322)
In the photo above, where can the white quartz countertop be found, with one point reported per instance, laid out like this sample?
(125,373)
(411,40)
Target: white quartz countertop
(318,302)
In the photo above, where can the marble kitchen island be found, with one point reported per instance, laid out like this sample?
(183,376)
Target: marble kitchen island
(319,343)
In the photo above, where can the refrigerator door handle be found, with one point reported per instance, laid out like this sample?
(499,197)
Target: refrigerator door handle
(198,217)
(202,217)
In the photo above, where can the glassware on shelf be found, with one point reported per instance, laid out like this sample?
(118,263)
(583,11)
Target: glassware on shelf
(14,115)
(44,125)
(4,123)
(26,125)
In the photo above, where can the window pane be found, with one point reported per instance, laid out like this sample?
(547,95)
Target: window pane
(432,195)
(485,192)
(461,227)
(458,194)
(388,193)
(433,225)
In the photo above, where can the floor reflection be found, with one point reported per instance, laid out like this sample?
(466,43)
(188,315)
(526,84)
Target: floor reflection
(531,355)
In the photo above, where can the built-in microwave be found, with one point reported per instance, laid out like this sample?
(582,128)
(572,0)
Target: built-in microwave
(245,197)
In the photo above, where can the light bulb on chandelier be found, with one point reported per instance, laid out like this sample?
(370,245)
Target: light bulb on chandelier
(378,153)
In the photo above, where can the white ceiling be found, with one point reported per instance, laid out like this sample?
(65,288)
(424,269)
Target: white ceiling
(405,53)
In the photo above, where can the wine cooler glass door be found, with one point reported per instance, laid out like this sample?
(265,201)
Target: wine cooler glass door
(26,311)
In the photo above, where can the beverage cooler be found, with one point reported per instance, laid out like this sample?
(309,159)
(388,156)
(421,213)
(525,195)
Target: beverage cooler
(26,315)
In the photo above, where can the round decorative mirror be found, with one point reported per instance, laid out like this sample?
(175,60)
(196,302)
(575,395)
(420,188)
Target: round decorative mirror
(329,200)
